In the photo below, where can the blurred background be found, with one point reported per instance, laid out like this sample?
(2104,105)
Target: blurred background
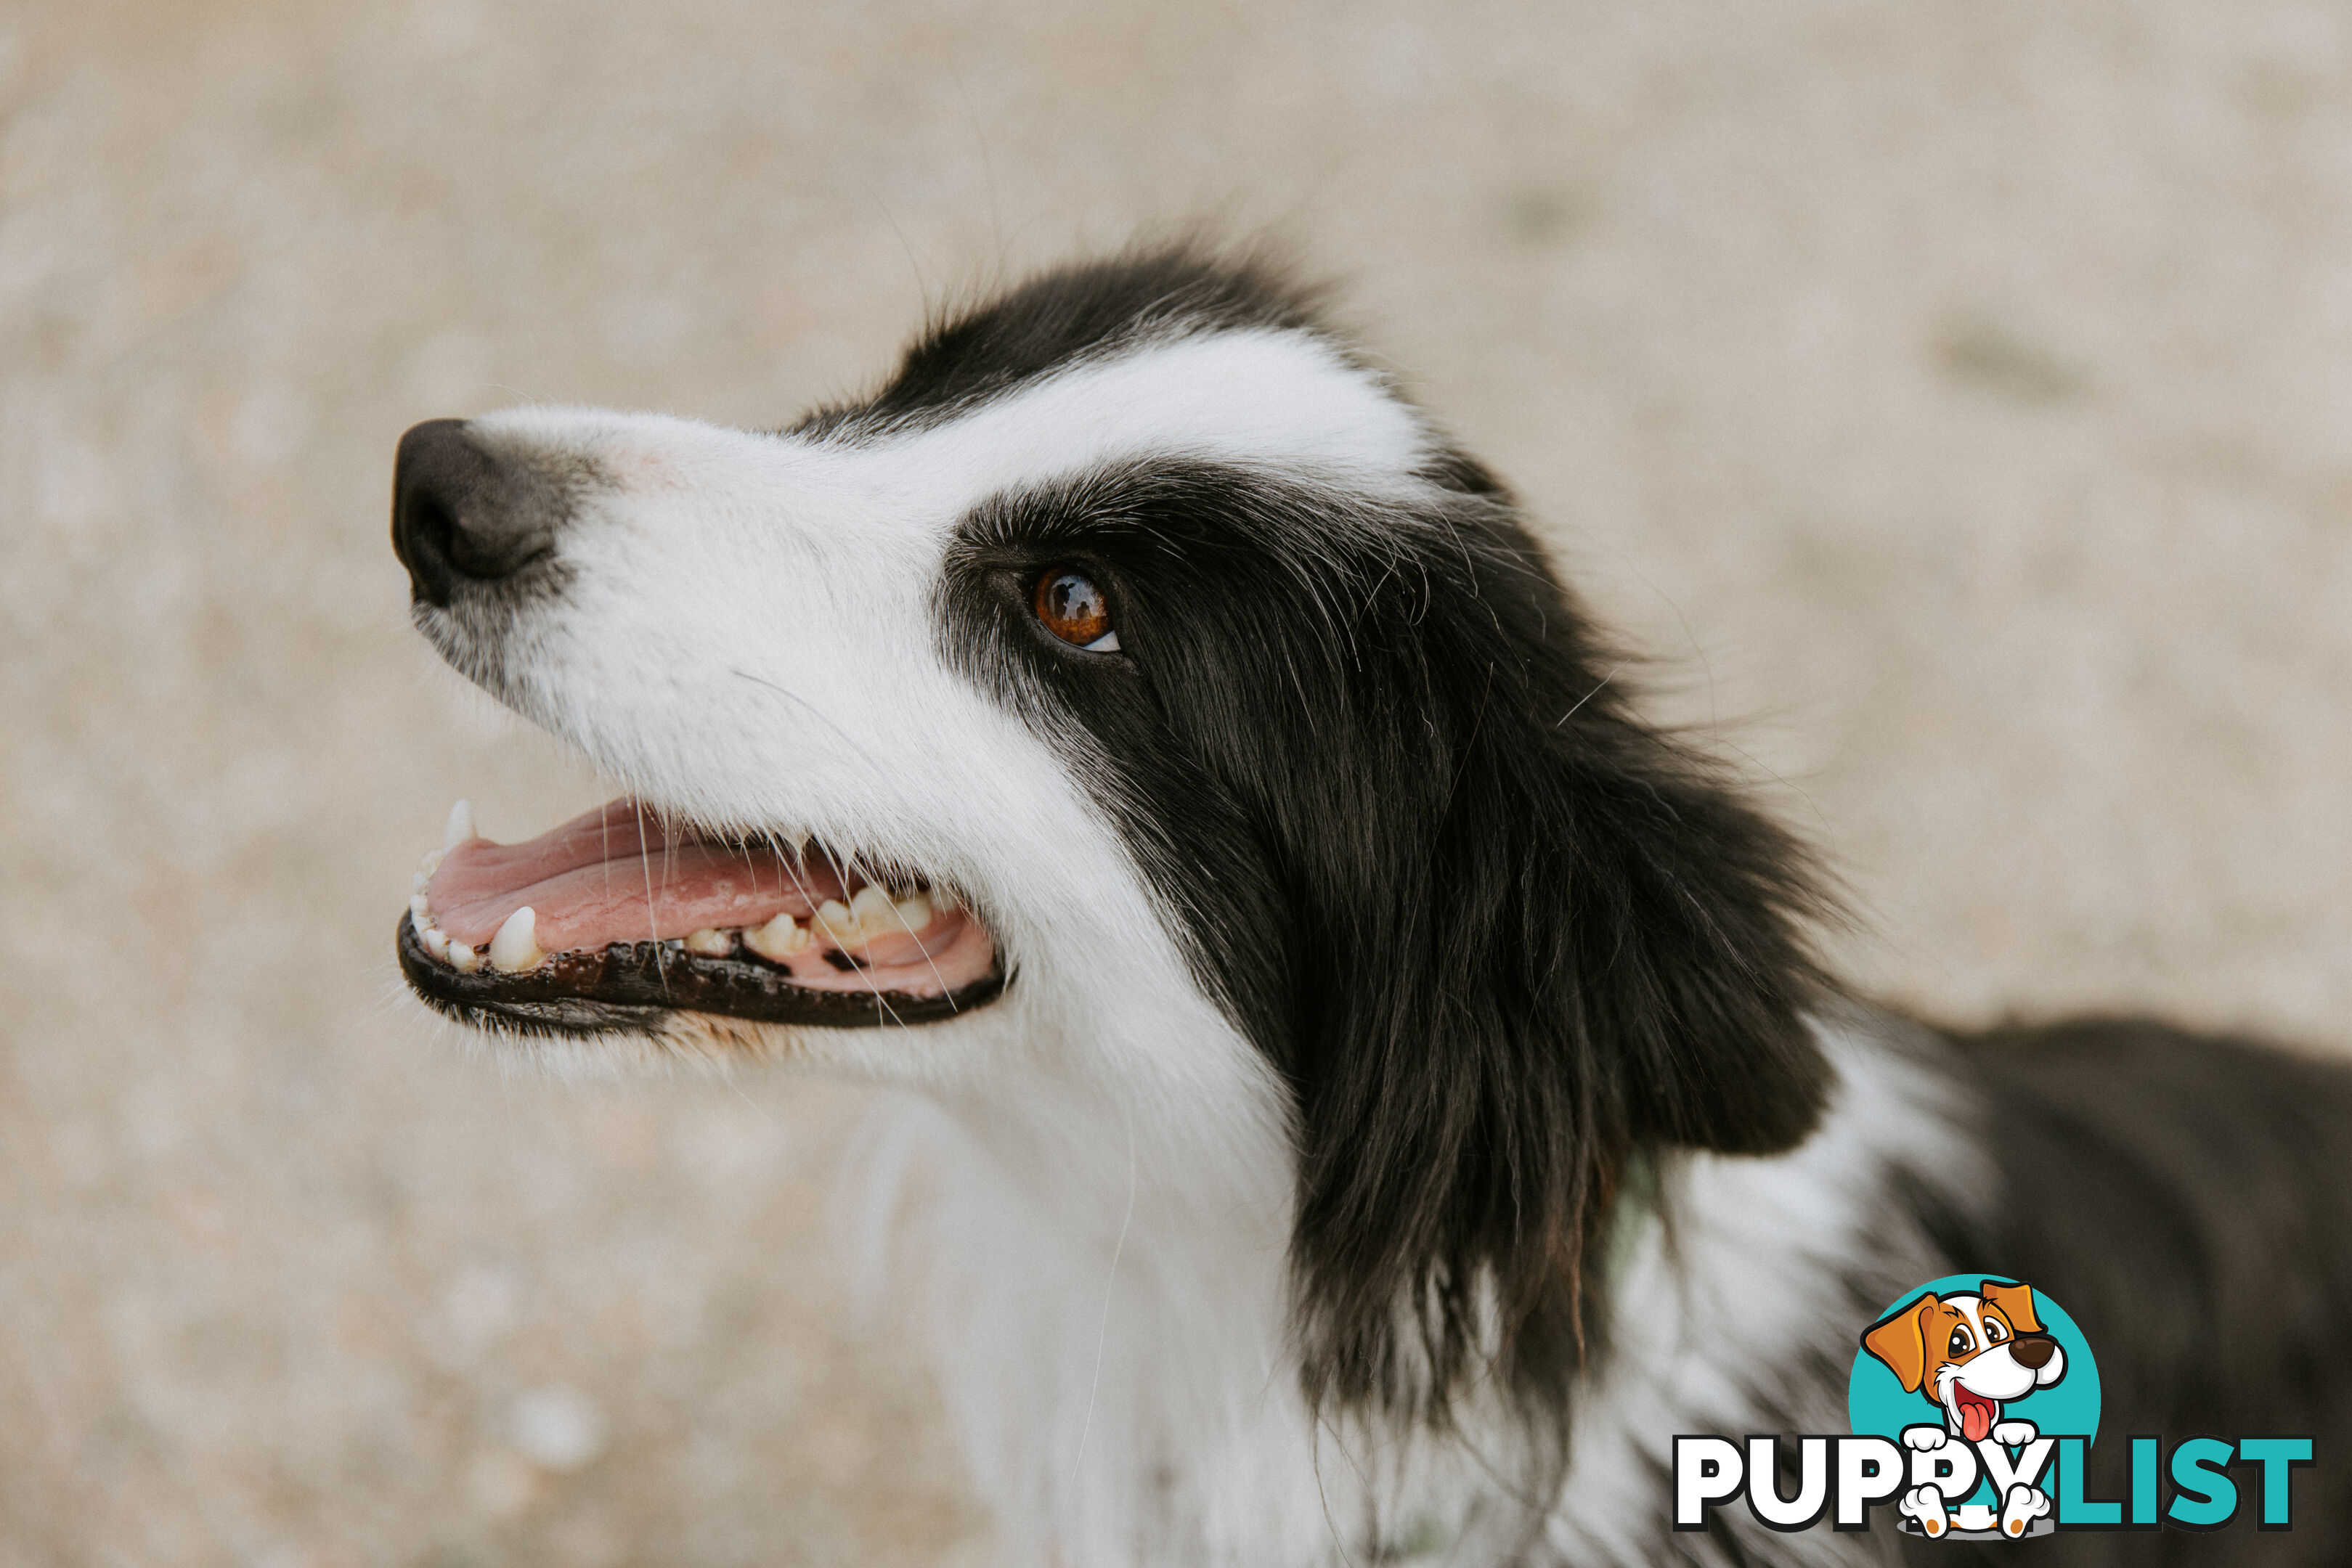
(1957,398)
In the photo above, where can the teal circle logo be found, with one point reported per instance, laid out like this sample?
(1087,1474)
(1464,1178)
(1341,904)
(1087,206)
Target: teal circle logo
(1931,1344)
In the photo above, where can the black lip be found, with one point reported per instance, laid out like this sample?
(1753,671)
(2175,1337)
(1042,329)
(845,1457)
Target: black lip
(634,986)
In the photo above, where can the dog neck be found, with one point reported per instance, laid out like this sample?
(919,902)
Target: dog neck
(1109,1308)
(1106,1291)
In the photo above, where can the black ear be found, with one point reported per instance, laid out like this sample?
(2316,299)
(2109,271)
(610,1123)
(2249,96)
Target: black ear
(1503,939)
(1546,941)
(1679,910)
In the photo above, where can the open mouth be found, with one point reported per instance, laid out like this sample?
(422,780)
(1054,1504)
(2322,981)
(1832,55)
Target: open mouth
(618,916)
(1976,1412)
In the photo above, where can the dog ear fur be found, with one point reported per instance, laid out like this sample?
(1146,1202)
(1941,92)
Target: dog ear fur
(2016,1304)
(1538,940)
(1900,1340)
(1505,941)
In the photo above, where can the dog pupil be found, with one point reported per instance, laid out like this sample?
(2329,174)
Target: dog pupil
(1072,607)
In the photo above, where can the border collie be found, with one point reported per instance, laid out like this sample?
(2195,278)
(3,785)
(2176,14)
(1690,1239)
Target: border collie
(1373,1091)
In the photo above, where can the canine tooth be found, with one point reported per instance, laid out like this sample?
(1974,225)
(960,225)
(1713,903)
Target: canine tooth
(779,939)
(464,958)
(710,942)
(436,942)
(832,918)
(913,911)
(420,908)
(513,949)
(461,825)
(874,913)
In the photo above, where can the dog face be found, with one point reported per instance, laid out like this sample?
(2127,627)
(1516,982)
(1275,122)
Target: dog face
(1969,1354)
(1138,694)
(821,654)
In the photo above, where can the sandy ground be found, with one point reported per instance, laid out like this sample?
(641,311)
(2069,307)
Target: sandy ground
(1958,396)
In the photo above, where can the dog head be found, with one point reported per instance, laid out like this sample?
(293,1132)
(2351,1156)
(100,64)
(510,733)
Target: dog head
(1283,813)
(1968,1353)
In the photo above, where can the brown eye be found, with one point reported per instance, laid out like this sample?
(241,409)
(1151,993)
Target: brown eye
(1076,610)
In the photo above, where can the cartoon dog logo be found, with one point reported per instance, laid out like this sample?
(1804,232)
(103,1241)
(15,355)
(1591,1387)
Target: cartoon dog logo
(1969,1356)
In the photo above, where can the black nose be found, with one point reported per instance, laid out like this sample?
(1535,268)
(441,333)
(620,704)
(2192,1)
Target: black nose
(461,515)
(2032,1351)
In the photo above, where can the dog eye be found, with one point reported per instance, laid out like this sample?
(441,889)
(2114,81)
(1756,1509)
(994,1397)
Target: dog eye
(1993,1332)
(1076,610)
(1961,1344)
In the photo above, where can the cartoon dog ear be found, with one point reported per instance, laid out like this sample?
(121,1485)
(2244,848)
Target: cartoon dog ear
(2016,1304)
(1900,1340)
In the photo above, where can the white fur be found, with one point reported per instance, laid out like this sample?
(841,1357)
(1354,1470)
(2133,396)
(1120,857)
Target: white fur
(1712,1312)
(1095,1174)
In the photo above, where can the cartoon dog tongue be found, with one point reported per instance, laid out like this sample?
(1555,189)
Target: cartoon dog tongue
(1976,1414)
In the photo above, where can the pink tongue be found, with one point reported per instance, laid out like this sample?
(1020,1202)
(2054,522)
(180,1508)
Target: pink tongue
(617,874)
(1976,1419)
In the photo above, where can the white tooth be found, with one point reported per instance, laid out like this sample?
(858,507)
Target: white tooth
(420,910)
(710,941)
(913,911)
(871,913)
(461,825)
(832,918)
(419,882)
(779,939)
(874,913)
(436,942)
(464,958)
(431,861)
(513,949)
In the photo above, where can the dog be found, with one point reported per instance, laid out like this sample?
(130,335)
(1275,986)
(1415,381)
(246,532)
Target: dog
(1374,1089)
(1969,1354)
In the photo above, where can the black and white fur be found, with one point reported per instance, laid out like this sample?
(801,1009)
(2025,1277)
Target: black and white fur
(1414,1103)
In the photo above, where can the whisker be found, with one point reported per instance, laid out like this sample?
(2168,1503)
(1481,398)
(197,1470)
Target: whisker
(811,709)
(653,926)
(1111,1281)
(1591,694)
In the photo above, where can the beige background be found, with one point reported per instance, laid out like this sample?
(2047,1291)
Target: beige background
(1958,396)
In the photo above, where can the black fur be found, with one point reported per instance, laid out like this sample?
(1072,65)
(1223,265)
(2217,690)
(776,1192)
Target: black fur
(2187,1199)
(1501,937)
(1506,943)
(1063,317)
(1496,933)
